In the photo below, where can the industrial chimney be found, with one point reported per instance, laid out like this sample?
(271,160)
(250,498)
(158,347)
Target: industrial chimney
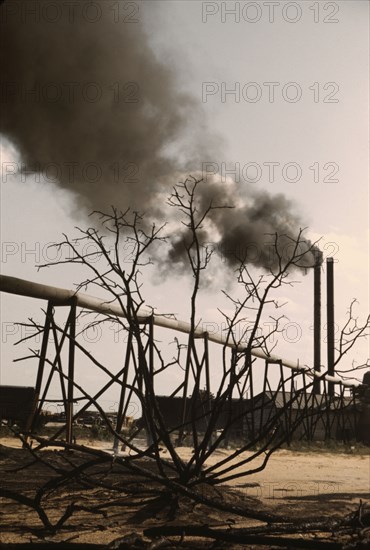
(330,319)
(317,326)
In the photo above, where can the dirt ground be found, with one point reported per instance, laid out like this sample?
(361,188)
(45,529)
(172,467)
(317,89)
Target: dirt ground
(312,485)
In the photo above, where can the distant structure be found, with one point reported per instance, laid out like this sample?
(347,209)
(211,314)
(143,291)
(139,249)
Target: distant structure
(18,405)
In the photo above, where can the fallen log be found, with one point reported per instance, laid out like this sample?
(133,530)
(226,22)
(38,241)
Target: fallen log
(242,536)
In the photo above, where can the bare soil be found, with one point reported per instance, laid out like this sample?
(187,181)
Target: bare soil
(310,485)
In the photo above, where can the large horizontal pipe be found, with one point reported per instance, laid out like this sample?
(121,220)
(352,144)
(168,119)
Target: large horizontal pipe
(62,296)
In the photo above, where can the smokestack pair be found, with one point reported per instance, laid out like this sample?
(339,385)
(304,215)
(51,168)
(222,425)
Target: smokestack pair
(329,323)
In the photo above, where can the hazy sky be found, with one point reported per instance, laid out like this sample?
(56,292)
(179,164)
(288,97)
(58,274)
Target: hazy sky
(279,102)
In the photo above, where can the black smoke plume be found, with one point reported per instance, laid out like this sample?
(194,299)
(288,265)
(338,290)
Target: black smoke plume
(87,103)
(258,229)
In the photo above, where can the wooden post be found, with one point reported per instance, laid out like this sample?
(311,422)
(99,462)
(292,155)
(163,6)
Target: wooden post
(71,371)
(40,371)
(120,414)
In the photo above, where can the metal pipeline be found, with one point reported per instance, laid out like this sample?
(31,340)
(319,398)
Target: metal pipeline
(62,296)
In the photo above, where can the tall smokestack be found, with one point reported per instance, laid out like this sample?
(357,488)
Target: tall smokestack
(330,319)
(317,326)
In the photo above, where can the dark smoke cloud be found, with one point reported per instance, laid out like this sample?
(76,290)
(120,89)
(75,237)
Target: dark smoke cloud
(102,102)
(86,100)
(247,232)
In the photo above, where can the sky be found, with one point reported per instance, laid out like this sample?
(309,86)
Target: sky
(272,95)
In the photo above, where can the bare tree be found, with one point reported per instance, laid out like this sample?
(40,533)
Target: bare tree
(256,297)
(209,414)
(351,332)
